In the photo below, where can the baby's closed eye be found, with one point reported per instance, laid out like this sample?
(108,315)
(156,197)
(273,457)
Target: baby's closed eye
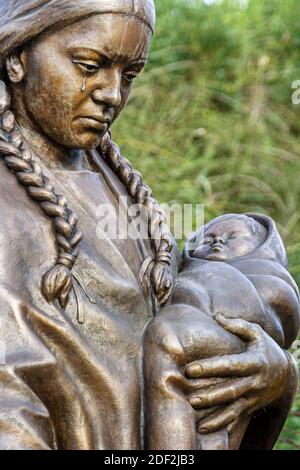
(232,236)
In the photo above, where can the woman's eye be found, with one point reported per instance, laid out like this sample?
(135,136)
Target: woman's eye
(129,77)
(232,236)
(86,66)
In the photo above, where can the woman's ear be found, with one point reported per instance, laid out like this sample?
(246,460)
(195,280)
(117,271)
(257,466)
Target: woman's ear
(15,67)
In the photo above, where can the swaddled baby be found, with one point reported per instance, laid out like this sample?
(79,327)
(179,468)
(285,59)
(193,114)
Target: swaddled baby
(235,266)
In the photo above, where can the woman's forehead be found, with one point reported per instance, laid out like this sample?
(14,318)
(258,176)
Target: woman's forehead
(22,21)
(116,36)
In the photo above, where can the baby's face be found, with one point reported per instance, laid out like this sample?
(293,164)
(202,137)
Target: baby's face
(226,240)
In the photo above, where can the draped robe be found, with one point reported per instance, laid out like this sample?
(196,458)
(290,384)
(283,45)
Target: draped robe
(71,379)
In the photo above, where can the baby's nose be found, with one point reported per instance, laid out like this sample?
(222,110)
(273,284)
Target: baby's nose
(219,240)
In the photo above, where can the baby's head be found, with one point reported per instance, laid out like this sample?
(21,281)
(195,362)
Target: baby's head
(229,237)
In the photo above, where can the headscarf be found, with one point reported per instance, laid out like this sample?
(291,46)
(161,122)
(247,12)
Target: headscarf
(271,249)
(22,20)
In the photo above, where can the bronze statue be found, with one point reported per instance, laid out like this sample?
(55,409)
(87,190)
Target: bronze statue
(75,306)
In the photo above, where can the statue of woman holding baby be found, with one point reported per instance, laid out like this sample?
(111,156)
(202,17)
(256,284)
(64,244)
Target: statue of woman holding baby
(87,366)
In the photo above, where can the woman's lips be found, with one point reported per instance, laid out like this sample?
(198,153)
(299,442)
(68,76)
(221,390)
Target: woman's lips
(95,122)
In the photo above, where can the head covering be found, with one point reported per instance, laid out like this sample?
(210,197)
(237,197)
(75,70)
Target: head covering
(22,20)
(271,249)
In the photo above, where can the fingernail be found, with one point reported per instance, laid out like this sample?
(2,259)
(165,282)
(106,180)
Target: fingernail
(192,370)
(195,401)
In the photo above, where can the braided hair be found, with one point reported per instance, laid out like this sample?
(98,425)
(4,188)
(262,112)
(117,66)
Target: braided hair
(161,275)
(57,282)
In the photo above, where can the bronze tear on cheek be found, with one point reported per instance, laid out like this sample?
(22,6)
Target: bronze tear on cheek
(83,86)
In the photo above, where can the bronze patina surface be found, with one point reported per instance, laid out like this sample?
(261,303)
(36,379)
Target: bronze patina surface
(87,366)
(235,270)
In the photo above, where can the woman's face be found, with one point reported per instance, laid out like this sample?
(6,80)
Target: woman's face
(78,79)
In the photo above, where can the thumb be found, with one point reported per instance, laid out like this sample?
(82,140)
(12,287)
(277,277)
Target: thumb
(245,330)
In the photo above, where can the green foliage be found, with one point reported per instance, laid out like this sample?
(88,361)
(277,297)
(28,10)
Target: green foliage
(212,121)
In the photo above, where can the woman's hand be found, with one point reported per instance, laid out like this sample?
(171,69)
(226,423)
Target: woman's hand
(253,379)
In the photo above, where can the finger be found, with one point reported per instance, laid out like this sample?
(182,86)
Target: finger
(193,386)
(202,414)
(223,366)
(221,393)
(223,417)
(201,384)
(242,328)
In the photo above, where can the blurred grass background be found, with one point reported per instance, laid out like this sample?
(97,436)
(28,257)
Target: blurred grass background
(212,121)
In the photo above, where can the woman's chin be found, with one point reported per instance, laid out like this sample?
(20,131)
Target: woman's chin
(89,141)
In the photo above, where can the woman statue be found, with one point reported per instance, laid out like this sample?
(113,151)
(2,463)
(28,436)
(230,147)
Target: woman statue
(75,302)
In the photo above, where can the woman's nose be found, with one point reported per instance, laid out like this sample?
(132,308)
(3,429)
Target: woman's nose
(109,90)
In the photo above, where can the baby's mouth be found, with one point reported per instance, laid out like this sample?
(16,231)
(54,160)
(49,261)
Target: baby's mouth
(216,248)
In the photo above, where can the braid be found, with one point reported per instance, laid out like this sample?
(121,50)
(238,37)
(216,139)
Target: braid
(57,282)
(162,242)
